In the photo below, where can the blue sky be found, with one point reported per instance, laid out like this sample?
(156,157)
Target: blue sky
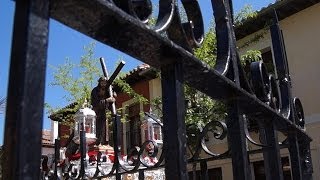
(65,42)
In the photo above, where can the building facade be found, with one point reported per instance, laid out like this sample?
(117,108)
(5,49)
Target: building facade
(300,25)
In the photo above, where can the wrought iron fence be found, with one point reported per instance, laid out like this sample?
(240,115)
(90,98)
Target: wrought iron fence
(120,24)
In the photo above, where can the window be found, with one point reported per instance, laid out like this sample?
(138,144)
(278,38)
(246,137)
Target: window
(157,135)
(267,59)
(133,133)
(259,171)
(214,174)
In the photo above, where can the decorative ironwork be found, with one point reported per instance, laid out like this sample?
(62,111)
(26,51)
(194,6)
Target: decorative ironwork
(122,24)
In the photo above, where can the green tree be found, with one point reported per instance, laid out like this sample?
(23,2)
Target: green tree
(201,108)
(78,79)
(244,14)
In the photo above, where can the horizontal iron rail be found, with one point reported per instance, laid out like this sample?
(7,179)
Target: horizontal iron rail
(104,22)
(227,156)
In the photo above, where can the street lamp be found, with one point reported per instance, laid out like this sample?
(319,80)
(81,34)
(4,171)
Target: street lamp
(85,120)
(151,128)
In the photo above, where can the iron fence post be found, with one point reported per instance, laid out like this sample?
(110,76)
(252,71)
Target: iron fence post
(204,170)
(174,129)
(116,140)
(305,154)
(295,160)
(237,143)
(271,153)
(287,109)
(25,99)
(56,157)
(83,152)
(141,174)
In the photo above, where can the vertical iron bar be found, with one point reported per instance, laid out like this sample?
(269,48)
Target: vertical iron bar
(174,129)
(282,73)
(56,157)
(226,44)
(141,174)
(271,153)
(23,126)
(237,143)
(83,151)
(305,153)
(231,11)
(295,160)
(194,171)
(281,68)
(204,170)
(116,141)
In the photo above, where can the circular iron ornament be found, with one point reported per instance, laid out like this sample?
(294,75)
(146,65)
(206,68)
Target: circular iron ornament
(168,10)
(260,80)
(189,34)
(74,171)
(133,156)
(213,127)
(102,166)
(249,138)
(299,114)
(131,163)
(151,149)
(223,28)
(194,27)
(165,16)
(136,157)
(140,9)
(124,164)
(274,95)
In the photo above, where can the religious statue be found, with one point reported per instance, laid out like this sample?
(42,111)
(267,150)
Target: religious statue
(100,101)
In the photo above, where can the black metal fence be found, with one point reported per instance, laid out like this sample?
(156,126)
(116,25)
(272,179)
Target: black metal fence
(120,24)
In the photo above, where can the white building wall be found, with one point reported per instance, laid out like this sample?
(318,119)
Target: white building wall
(302,41)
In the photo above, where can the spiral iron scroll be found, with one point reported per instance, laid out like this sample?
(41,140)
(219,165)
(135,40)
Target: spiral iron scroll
(219,130)
(264,86)
(138,157)
(186,34)
(213,130)
(190,34)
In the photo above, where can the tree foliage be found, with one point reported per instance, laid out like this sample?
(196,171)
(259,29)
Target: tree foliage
(78,80)
(201,109)
(245,14)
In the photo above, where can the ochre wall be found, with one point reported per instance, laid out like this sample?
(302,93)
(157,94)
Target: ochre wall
(302,41)
(141,88)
